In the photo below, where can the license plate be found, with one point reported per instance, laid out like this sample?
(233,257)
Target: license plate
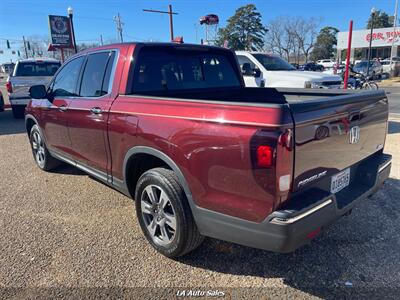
(340,181)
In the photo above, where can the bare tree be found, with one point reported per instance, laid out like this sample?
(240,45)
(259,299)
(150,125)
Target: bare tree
(279,39)
(292,38)
(305,32)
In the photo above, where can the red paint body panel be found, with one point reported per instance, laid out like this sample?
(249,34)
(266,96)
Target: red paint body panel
(209,141)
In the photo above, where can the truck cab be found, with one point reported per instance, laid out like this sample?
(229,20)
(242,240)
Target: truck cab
(266,70)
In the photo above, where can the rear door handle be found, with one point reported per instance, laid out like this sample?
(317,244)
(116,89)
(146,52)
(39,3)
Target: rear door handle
(96,110)
(62,108)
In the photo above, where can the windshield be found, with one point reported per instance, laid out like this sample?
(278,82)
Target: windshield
(37,68)
(273,63)
(363,64)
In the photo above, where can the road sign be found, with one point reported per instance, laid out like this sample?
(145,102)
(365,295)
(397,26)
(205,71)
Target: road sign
(60,31)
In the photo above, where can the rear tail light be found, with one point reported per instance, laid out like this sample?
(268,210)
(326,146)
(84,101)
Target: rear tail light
(272,161)
(265,156)
(9,86)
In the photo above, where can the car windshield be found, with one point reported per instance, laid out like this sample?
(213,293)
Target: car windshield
(363,64)
(274,63)
(37,68)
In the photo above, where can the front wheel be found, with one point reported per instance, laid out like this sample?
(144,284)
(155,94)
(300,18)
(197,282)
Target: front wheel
(370,86)
(164,214)
(40,153)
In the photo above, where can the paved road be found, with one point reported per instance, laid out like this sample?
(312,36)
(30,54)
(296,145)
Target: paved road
(394,99)
(64,233)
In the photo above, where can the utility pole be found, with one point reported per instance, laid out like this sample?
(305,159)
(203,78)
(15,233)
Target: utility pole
(26,50)
(101,39)
(393,52)
(70,12)
(373,11)
(170,13)
(119,24)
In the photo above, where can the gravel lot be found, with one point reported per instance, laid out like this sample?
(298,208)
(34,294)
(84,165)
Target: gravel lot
(65,234)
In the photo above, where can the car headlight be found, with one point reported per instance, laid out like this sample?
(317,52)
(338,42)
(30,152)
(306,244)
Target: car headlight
(307,84)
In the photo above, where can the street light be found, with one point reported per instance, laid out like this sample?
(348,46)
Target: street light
(70,12)
(373,11)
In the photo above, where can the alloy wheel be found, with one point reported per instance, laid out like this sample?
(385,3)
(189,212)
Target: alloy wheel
(38,149)
(158,215)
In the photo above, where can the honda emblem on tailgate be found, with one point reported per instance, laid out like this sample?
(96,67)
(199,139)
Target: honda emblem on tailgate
(354,134)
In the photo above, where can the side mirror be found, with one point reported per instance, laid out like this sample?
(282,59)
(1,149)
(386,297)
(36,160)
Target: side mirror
(38,92)
(257,73)
(246,70)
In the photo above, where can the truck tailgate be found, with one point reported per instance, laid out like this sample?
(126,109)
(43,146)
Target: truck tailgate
(21,84)
(336,132)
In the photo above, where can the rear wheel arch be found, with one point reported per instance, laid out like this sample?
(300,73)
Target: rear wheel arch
(159,159)
(30,121)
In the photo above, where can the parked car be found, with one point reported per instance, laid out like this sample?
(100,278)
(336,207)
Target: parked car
(202,155)
(7,68)
(1,102)
(387,67)
(326,63)
(312,67)
(28,72)
(267,70)
(375,68)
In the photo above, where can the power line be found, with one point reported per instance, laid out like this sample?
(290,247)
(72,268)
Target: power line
(170,13)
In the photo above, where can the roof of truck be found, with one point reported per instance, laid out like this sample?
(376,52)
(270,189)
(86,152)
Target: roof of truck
(39,59)
(160,44)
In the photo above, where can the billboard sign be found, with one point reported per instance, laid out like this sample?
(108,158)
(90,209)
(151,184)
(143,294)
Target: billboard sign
(381,37)
(60,31)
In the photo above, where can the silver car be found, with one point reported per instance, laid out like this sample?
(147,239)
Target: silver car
(28,72)
(375,68)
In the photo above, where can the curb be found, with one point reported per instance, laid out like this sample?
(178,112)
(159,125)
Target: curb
(393,116)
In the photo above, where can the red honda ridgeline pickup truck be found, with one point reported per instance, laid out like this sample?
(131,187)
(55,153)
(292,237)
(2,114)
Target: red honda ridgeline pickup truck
(174,127)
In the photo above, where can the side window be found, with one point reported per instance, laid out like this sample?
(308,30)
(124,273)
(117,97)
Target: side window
(96,76)
(64,84)
(246,65)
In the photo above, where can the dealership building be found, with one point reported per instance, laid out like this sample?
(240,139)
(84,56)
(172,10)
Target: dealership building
(382,39)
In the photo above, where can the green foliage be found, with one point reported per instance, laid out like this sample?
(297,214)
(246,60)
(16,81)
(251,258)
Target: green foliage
(381,20)
(324,46)
(244,30)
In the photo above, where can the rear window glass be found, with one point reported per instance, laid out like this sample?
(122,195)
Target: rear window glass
(37,68)
(177,69)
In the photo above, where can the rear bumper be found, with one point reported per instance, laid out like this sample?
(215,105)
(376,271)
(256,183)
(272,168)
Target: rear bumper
(19,100)
(286,230)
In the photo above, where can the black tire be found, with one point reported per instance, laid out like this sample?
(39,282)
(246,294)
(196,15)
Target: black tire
(18,111)
(186,236)
(1,103)
(46,161)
